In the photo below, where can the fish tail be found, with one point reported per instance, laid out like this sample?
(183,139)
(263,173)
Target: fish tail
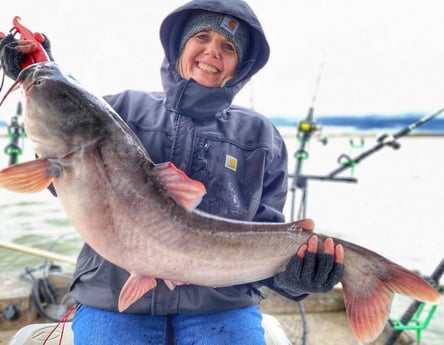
(368,304)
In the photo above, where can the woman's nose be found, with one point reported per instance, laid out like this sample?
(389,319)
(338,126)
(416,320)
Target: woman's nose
(213,49)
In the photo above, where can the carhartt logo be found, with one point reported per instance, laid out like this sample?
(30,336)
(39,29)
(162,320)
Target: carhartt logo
(230,162)
(230,24)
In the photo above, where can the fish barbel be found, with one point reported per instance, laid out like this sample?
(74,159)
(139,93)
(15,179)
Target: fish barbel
(141,216)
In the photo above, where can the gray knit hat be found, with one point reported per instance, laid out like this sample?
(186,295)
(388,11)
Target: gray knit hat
(232,28)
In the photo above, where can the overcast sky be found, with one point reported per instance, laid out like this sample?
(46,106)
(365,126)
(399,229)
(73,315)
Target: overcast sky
(378,56)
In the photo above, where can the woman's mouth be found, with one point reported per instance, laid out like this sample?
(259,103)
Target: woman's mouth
(207,68)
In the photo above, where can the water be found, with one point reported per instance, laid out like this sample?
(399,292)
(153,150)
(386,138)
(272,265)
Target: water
(395,208)
(36,220)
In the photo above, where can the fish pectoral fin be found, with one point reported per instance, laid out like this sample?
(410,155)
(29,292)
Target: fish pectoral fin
(28,177)
(135,287)
(184,190)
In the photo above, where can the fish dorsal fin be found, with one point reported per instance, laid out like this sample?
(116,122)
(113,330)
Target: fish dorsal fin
(135,287)
(306,224)
(184,190)
(28,177)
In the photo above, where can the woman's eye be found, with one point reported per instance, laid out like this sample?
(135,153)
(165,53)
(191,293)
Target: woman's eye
(202,37)
(229,47)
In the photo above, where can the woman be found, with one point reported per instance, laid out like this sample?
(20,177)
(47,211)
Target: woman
(210,54)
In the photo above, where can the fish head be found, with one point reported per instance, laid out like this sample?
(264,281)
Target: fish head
(59,114)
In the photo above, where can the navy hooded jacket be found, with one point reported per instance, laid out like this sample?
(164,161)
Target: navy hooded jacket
(235,152)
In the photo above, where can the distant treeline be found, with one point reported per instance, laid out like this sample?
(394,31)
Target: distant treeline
(369,122)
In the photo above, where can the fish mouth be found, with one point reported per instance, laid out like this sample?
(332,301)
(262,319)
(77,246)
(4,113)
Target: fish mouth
(23,79)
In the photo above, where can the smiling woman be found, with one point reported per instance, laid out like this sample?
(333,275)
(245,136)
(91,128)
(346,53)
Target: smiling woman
(209,58)
(213,46)
(234,151)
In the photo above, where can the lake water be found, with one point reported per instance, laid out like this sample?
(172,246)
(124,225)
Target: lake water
(395,208)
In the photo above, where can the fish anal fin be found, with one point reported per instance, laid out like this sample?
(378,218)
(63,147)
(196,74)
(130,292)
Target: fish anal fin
(135,287)
(28,177)
(184,190)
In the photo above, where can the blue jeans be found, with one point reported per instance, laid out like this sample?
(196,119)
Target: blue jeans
(237,326)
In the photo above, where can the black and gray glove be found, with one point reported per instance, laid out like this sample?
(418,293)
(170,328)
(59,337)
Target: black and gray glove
(315,272)
(11,59)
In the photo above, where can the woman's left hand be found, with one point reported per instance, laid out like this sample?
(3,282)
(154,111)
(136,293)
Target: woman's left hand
(312,269)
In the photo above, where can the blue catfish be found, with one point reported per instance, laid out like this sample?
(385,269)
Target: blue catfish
(142,216)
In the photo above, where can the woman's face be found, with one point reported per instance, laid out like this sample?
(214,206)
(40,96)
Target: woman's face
(209,58)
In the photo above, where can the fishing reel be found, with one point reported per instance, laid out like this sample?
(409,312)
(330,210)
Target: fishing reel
(308,127)
(388,140)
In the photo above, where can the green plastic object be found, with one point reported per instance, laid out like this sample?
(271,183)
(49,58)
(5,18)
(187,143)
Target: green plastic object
(415,324)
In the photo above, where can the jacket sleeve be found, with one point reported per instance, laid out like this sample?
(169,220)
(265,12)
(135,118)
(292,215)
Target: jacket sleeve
(275,184)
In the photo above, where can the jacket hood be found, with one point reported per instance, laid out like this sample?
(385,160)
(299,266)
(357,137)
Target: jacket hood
(184,96)
(259,51)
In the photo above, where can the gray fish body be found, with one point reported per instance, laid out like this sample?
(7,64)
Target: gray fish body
(106,185)
(117,200)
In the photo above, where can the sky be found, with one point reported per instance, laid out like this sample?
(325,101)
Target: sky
(353,57)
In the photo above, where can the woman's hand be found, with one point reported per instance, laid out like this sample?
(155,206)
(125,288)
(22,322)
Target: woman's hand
(313,269)
(13,52)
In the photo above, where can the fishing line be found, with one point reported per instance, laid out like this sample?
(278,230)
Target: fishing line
(318,82)
(13,87)
(3,79)
(62,322)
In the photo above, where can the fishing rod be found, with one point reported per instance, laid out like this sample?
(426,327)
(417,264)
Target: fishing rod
(45,254)
(414,306)
(16,131)
(382,141)
(305,130)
